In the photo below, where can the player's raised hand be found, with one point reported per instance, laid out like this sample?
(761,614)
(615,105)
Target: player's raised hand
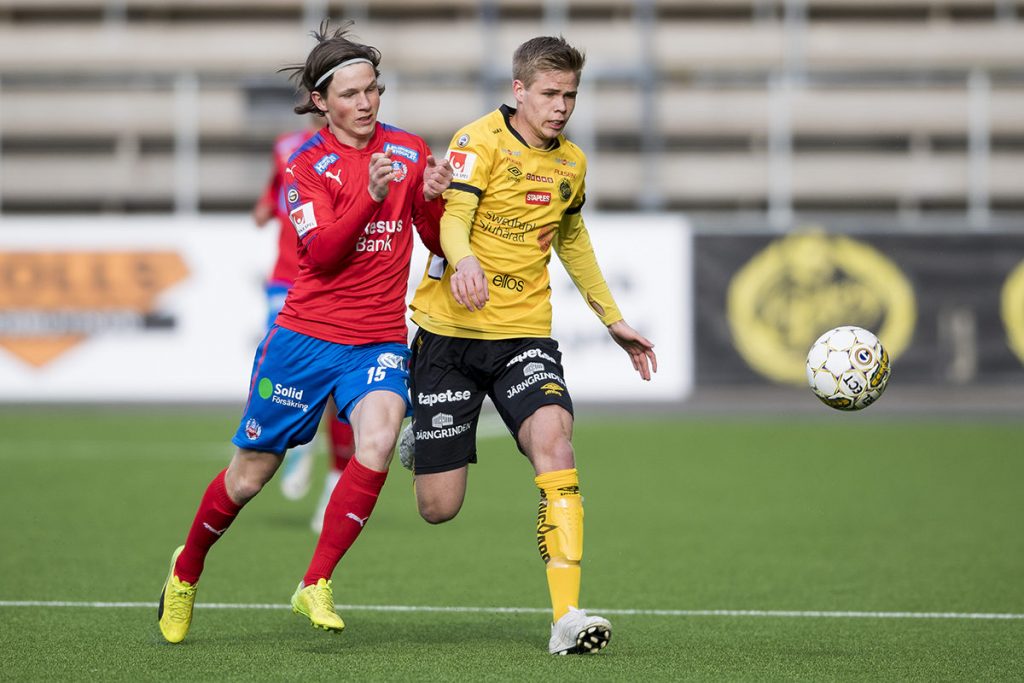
(381,175)
(436,178)
(469,284)
(639,348)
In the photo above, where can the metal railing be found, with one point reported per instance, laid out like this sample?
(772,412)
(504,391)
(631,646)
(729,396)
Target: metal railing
(783,84)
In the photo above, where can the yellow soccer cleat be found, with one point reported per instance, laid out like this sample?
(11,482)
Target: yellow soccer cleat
(175,608)
(317,603)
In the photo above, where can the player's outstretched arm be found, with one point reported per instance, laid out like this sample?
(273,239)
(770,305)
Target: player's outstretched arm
(639,348)
(469,284)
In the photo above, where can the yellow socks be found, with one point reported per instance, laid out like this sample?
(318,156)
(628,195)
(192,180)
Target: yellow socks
(560,537)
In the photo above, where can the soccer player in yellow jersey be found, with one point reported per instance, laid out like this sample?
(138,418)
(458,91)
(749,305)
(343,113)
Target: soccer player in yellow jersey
(484,314)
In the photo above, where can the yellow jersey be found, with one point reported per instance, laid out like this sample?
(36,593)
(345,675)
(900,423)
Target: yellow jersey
(511,205)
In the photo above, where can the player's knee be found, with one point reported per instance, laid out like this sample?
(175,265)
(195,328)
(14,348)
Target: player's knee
(248,472)
(436,511)
(243,486)
(376,446)
(433,516)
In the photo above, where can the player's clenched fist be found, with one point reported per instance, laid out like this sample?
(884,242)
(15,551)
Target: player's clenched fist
(436,178)
(381,175)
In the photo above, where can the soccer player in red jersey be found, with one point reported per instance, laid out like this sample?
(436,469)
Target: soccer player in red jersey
(355,190)
(298,464)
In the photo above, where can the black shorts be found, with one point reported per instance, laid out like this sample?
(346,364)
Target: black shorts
(449,378)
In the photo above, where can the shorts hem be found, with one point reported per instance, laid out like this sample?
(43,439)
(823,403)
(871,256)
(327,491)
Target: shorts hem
(252,447)
(344,410)
(438,469)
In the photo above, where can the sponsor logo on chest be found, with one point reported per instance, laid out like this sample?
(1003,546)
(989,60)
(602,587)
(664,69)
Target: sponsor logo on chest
(379,236)
(400,151)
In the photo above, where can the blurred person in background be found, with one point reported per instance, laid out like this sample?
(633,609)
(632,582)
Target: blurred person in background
(355,190)
(484,314)
(298,463)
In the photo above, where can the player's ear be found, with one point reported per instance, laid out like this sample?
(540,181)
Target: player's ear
(518,90)
(319,101)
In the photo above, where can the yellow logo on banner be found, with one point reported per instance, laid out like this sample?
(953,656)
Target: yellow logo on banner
(1012,308)
(799,286)
(51,301)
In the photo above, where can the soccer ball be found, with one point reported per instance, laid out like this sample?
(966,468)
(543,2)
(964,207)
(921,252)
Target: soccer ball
(848,368)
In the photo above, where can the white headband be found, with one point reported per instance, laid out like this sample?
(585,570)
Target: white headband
(347,62)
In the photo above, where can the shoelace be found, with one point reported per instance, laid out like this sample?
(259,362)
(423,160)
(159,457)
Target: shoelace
(323,597)
(180,604)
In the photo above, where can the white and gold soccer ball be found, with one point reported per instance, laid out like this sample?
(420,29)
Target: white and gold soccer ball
(848,368)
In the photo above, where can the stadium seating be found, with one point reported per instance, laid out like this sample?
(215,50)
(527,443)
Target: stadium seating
(685,105)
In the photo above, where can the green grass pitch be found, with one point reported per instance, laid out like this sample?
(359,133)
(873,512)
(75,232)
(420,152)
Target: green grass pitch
(721,549)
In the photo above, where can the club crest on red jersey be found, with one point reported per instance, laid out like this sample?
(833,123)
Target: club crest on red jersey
(400,169)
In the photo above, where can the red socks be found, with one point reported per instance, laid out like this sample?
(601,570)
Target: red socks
(349,509)
(347,512)
(214,516)
(343,443)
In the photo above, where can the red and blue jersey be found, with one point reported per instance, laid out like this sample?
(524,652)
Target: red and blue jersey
(287,265)
(353,251)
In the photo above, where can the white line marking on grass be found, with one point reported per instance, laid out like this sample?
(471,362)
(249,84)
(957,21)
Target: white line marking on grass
(785,614)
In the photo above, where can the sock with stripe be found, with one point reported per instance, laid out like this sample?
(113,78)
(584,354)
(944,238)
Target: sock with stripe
(347,512)
(214,516)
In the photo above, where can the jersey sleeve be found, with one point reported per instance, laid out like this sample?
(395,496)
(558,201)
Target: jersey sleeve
(427,219)
(576,252)
(426,216)
(327,231)
(460,207)
(471,162)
